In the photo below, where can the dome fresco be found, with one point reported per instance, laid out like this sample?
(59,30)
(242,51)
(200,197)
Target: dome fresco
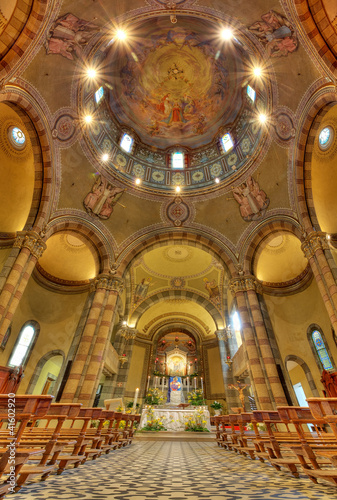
(174,88)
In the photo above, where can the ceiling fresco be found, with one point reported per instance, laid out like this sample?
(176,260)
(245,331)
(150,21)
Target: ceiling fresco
(175,85)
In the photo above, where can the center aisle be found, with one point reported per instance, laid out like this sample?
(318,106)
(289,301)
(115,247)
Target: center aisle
(167,470)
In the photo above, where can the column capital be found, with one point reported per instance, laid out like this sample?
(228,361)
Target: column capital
(316,240)
(108,282)
(32,241)
(245,283)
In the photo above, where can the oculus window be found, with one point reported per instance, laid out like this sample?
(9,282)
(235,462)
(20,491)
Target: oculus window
(16,137)
(325,137)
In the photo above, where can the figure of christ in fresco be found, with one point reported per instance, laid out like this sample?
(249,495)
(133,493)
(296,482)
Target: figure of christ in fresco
(175,384)
(102,198)
(176,114)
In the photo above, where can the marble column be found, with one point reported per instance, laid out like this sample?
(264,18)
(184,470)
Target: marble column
(253,287)
(231,394)
(102,285)
(124,345)
(96,359)
(238,287)
(315,247)
(31,247)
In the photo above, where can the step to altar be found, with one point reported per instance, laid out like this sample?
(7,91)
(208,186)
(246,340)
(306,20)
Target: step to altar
(174,436)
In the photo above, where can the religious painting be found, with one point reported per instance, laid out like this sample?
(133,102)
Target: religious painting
(175,84)
(252,200)
(142,289)
(276,33)
(176,365)
(102,198)
(68,35)
(213,290)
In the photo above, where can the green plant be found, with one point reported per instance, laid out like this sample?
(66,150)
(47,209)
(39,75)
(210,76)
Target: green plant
(130,404)
(196,422)
(196,398)
(216,405)
(154,397)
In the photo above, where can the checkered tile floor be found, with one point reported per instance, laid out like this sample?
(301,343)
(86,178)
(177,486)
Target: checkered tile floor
(167,470)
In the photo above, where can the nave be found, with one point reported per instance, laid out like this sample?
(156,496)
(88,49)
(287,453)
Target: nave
(167,470)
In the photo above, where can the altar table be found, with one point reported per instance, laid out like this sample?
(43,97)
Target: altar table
(174,417)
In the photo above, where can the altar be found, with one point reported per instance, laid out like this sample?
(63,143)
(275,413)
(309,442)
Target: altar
(174,418)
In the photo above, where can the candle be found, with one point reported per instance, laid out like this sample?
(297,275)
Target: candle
(195,382)
(135,400)
(155,382)
(188,384)
(148,383)
(202,385)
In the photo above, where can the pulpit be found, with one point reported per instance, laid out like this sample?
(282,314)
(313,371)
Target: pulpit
(329,380)
(10,379)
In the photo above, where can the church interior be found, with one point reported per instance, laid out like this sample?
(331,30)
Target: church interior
(168,249)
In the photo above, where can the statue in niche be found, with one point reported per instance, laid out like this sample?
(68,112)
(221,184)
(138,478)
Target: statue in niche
(102,198)
(252,200)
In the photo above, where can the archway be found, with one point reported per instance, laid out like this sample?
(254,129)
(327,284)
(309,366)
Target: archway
(301,379)
(45,377)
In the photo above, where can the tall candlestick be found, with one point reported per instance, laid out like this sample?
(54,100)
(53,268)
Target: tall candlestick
(155,382)
(202,385)
(188,384)
(148,383)
(195,383)
(135,400)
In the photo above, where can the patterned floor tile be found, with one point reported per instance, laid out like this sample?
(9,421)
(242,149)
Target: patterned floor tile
(175,471)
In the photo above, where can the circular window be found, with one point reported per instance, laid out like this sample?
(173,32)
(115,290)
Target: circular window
(17,137)
(325,137)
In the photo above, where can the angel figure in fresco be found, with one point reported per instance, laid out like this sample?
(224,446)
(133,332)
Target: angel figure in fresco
(68,35)
(102,198)
(213,291)
(142,289)
(276,33)
(252,200)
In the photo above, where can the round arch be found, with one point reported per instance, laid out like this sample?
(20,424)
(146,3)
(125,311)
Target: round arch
(42,361)
(306,370)
(193,296)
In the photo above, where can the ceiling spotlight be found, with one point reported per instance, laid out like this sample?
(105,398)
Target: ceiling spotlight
(226,34)
(138,181)
(88,118)
(217,180)
(257,71)
(105,157)
(178,189)
(120,34)
(91,72)
(262,118)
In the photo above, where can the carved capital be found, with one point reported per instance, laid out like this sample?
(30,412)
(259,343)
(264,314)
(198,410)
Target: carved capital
(32,241)
(108,282)
(314,241)
(245,283)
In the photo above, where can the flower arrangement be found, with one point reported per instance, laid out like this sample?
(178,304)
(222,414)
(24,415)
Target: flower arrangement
(196,398)
(196,422)
(120,409)
(216,405)
(261,427)
(153,424)
(154,397)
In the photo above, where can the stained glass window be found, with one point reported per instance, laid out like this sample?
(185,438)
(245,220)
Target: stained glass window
(321,350)
(227,142)
(325,137)
(251,93)
(126,143)
(21,349)
(99,94)
(178,160)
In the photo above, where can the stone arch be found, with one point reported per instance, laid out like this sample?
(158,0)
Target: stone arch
(319,30)
(157,297)
(43,150)
(156,239)
(90,233)
(42,361)
(314,110)
(266,231)
(306,369)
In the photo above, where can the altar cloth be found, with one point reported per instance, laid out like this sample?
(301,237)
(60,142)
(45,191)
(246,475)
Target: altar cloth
(175,418)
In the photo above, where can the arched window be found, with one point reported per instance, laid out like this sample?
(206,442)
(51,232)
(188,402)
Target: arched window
(320,348)
(24,344)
